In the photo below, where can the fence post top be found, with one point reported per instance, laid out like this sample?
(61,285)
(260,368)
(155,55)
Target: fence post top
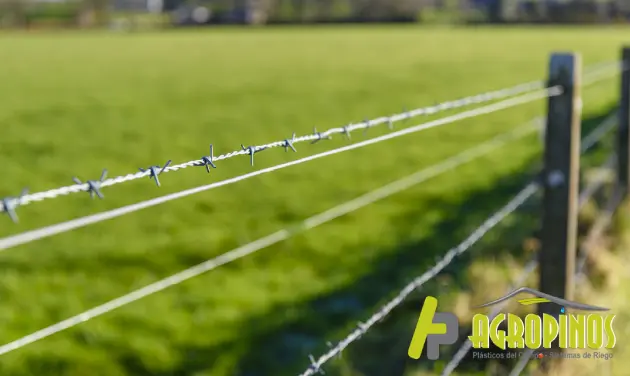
(559,60)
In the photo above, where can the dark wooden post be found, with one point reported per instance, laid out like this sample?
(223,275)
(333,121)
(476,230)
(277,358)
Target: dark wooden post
(623,154)
(560,179)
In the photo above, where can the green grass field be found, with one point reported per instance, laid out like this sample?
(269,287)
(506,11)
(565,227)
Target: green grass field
(71,105)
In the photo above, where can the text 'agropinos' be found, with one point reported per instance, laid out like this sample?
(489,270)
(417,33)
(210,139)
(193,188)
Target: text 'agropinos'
(580,331)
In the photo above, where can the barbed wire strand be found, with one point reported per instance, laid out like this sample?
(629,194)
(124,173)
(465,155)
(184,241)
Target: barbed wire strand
(602,222)
(601,74)
(530,266)
(476,235)
(175,279)
(29,236)
(463,350)
(584,195)
(598,181)
(587,142)
(309,223)
(598,133)
(430,110)
(522,362)
(598,227)
(596,73)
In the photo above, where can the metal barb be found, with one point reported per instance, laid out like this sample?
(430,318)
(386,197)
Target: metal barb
(251,150)
(314,365)
(367,126)
(390,123)
(289,144)
(346,131)
(362,328)
(155,171)
(11,203)
(94,186)
(331,346)
(320,136)
(165,166)
(207,161)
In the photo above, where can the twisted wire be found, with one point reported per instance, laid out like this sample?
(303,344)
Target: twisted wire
(522,362)
(278,236)
(529,268)
(283,234)
(593,74)
(598,181)
(598,133)
(309,223)
(316,136)
(58,228)
(471,240)
(598,227)
(587,142)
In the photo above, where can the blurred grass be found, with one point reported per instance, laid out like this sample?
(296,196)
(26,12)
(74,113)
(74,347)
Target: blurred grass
(72,104)
(607,263)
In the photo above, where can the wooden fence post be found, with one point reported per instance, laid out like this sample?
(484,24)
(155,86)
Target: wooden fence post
(623,136)
(561,181)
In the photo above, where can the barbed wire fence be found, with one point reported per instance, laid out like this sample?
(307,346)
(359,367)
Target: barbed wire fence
(47,231)
(594,74)
(587,192)
(10,204)
(509,97)
(525,194)
(596,231)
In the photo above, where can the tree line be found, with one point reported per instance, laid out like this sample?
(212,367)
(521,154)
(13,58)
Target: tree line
(95,13)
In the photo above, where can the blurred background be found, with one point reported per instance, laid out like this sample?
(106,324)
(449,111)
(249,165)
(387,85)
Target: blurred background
(132,14)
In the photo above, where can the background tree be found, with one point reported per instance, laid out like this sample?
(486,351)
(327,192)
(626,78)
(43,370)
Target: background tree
(13,13)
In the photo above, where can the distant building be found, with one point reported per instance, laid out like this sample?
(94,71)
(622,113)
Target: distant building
(132,5)
(214,12)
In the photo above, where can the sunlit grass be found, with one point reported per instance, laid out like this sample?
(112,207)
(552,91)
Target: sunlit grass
(73,104)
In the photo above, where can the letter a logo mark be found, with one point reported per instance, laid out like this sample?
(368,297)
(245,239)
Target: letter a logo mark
(434,329)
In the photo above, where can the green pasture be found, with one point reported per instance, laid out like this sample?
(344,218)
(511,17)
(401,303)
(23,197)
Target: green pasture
(73,104)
